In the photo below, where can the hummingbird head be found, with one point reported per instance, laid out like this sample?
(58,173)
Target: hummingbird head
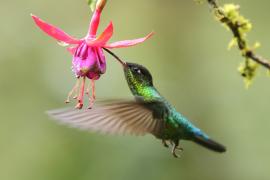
(137,75)
(139,80)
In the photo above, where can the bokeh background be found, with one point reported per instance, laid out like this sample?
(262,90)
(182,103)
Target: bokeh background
(191,66)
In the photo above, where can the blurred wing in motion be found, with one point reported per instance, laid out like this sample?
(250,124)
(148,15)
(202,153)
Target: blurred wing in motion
(111,117)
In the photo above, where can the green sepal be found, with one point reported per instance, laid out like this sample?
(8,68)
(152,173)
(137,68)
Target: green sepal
(92,4)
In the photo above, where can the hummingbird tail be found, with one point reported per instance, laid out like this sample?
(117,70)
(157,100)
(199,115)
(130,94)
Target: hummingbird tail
(209,143)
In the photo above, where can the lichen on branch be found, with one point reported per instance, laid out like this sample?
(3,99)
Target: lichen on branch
(231,18)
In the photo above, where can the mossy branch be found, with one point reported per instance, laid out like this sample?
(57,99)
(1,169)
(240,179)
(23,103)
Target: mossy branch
(229,16)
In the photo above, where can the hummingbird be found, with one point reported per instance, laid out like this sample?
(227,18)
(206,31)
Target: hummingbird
(148,113)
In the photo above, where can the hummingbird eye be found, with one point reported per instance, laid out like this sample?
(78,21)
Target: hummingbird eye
(137,70)
(141,73)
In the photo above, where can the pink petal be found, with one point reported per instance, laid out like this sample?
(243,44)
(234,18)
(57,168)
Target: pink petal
(128,43)
(54,32)
(94,23)
(103,38)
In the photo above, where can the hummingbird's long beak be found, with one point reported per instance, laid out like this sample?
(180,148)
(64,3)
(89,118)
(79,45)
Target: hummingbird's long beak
(124,64)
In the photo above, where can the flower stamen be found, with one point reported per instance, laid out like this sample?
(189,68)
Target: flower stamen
(80,98)
(93,97)
(74,89)
(87,92)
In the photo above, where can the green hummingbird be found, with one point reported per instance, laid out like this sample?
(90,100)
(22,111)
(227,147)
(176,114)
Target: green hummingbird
(148,113)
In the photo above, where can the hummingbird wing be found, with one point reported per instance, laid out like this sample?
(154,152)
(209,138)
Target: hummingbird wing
(111,117)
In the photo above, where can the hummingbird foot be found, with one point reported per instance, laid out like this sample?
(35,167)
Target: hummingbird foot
(176,148)
(179,149)
(165,143)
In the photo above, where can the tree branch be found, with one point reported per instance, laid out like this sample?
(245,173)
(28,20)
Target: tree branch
(239,26)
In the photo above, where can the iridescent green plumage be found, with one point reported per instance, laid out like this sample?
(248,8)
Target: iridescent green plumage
(176,126)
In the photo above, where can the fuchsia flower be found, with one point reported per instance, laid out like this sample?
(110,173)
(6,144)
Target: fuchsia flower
(88,57)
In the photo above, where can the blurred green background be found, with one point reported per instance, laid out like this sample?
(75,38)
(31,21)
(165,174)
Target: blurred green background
(191,67)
